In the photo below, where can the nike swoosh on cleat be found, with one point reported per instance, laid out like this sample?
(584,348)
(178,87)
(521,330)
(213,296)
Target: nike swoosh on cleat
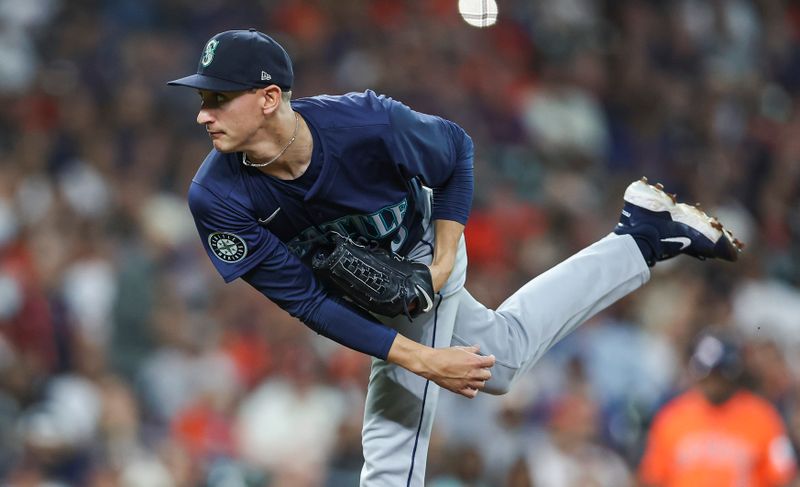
(626,213)
(429,302)
(268,219)
(684,241)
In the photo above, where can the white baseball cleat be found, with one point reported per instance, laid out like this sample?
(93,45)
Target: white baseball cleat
(672,228)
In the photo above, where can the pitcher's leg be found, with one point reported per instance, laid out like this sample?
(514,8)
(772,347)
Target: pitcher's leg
(549,307)
(400,407)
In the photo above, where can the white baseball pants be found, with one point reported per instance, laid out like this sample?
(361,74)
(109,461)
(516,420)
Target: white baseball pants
(401,406)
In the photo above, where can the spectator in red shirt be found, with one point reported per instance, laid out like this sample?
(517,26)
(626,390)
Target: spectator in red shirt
(717,434)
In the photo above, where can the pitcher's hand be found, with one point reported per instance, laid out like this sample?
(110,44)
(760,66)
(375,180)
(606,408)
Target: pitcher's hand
(458,369)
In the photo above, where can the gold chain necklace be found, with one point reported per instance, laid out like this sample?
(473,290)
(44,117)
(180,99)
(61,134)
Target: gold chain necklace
(262,164)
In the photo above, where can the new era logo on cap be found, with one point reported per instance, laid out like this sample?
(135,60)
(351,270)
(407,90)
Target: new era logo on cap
(228,58)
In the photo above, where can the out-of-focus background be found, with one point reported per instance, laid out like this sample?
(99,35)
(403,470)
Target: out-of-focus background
(124,359)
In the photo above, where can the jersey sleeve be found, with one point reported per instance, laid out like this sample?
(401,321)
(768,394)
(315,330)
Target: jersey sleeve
(326,315)
(437,151)
(240,249)
(232,238)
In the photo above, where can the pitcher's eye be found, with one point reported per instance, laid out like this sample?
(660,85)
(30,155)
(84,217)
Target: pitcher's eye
(213,100)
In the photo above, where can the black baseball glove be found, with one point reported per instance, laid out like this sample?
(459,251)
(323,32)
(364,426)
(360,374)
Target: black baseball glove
(377,280)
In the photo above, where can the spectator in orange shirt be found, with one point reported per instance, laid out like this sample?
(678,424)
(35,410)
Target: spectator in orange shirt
(717,434)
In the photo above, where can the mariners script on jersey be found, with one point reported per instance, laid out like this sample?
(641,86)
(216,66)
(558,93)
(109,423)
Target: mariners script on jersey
(370,159)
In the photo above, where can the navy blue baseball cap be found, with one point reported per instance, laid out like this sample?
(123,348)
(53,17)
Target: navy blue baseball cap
(238,60)
(717,352)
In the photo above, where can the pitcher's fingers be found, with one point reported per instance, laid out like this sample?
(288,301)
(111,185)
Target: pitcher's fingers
(487,361)
(477,384)
(468,392)
(483,374)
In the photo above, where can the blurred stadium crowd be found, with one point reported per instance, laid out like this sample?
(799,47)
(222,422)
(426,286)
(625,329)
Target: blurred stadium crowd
(124,359)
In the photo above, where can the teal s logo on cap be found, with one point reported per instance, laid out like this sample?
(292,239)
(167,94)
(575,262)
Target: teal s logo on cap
(238,60)
(208,53)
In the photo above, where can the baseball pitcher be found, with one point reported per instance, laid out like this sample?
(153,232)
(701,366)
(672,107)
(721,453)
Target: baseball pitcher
(348,212)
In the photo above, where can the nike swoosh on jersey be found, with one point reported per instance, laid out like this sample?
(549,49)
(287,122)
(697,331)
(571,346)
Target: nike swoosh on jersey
(684,241)
(268,219)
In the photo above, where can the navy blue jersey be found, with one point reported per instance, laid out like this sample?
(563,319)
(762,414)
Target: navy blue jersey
(371,155)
